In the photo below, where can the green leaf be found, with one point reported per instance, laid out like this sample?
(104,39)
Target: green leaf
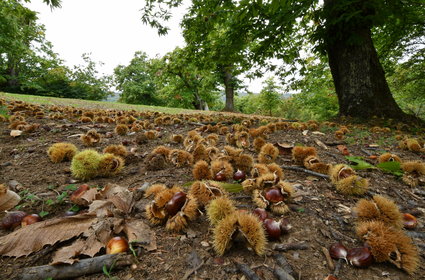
(49,202)
(358,163)
(71,187)
(230,187)
(392,167)
(74,208)
(43,214)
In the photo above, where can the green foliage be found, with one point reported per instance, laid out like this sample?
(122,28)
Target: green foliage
(392,167)
(136,81)
(359,163)
(270,97)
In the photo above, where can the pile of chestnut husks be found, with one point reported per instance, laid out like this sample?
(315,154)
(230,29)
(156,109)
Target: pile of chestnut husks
(358,257)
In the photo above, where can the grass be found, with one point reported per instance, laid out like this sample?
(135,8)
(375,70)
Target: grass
(91,104)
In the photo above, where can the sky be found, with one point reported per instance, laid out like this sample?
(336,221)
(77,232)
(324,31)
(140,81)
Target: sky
(111,30)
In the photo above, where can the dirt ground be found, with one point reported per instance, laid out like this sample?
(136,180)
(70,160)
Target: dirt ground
(317,213)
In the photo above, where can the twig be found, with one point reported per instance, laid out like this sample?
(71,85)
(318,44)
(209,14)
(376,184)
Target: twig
(187,274)
(338,266)
(328,258)
(283,262)
(281,274)
(331,154)
(290,246)
(335,143)
(247,271)
(83,267)
(366,152)
(296,168)
(195,123)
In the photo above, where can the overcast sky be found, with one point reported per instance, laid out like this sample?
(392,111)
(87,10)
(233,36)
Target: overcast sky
(111,30)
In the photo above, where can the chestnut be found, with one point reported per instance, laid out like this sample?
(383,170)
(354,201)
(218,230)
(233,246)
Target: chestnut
(360,257)
(272,228)
(409,221)
(260,213)
(285,226)
(338,251)
(220,176)
(239,175)
(331,277)
(176,203)
(30,219)
(12,219)
(116,245)
(273,195)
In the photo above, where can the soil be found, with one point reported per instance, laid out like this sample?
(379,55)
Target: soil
(318,218)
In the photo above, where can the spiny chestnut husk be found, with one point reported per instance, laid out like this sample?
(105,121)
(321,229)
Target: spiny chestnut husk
(268,153)
(346,181)
(389,157)
(239,227)
(379,209)
(180,158)
(117,245)
(414,173)
(389,244)
(338,251)
(360,257)
(85,164)
(201,170)
(30,219)
(299,153)
(219,208)
(205,191)
(12,219)
(118,150)
(62,152)
(110,165)
(273,198)
(222,167)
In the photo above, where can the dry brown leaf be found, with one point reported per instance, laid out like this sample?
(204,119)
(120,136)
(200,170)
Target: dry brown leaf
(15,133)
(67,254)
(343,149)
(8,198)
(121,197)
(102,208)
(321,144)
(138,231)
(86,198)
(32,238)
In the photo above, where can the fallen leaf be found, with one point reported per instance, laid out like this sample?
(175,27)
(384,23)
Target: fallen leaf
(321,144)
(138,231)
(318,133)
(40,234)
(15,133)
(8,198)
(305,132)
(86,198)
(343,149)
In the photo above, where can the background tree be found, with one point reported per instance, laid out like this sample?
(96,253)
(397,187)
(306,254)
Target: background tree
(270,98)
(340,29)
(136,81)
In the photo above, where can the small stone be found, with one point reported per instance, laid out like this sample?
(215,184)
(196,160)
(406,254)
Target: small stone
(205,243)
(5,164)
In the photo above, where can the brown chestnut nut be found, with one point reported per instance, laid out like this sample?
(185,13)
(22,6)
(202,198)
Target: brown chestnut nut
(338,251)
(220,176)
(272,228)
(285,226)
(260,213)
(176,203)
(360,257)
(30,219)
(331,277)
(117,245)
(273,195)
(239,175)
(12,219)
(409,221)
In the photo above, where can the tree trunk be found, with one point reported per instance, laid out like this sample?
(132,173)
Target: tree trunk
(358,76)
(229,90)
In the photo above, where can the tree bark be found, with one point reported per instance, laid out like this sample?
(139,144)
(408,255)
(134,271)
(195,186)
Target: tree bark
(358,75)
(229,90)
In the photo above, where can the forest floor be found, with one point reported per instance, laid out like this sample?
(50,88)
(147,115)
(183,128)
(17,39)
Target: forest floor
(320,216)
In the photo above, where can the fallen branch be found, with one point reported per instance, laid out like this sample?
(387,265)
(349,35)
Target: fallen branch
(83,267)
(281,274)
(247,271)
(329,260)
(296,168)
(338,267)
(283,263)
(335,143)
(187,274)
(290,246)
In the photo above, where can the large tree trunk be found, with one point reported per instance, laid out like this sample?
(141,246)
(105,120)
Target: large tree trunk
(358,76)
(229,90)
